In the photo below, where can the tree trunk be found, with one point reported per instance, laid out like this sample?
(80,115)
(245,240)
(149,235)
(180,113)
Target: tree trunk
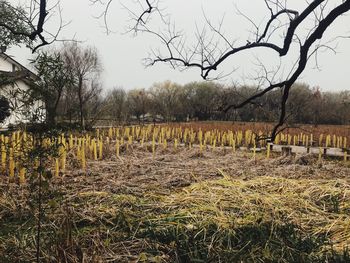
(80,97)
(50,113)
(50,117)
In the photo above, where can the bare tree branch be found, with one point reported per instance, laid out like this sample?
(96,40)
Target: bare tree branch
(29,27)
(208,56)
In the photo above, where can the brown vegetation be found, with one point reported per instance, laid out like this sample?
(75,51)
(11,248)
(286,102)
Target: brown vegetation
(182,206)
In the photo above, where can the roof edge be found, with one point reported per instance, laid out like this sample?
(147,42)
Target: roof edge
(19,65)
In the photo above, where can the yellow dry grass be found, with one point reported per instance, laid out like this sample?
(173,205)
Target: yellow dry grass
(182,206)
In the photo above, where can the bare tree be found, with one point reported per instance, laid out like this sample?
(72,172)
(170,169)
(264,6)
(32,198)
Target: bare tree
(165,99)
(26,23)
(93,103)
(138,103)
(141,16)
(116,101)
(86,67)
(210,51)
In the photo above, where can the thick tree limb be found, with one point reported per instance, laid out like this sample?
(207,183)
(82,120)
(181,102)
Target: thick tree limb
(33,31)
(206,63)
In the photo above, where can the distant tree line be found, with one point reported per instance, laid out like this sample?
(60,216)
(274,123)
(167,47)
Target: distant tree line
(71,88)
(205,100)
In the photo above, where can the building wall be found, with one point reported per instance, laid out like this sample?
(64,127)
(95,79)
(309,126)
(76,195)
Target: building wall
(15,93)
(5,65)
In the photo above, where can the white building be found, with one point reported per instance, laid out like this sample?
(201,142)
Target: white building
(18,92)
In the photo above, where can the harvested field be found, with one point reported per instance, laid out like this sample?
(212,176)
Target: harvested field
(182,206)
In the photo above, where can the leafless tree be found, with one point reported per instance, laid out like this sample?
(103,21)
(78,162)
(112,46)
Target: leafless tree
(27,24)
(95,105)
(165,99)
(86,67)
(211,50)
(139,17)
(138,103)
(116,102)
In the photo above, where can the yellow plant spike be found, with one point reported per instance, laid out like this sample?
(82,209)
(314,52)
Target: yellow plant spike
(63,159)
(100,150)
(311,139)
(153,146)
(345,143)
(117,147)
(71,141)
(22,173)
(83,160)
(3,154)
(328,141)
(320,140)
(94,149)
(11,165)
(78,152)
(175,144)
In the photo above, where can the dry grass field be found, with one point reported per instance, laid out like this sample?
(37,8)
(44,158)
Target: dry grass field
(180,205)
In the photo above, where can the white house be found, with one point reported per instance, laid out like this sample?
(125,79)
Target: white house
(17,93)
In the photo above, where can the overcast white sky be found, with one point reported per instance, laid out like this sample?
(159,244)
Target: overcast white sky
(122,54)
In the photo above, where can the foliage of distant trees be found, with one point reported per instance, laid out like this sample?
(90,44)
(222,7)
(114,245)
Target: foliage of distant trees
(70,87)
(69,83)
(205,100)
(55,77)
(168,101)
